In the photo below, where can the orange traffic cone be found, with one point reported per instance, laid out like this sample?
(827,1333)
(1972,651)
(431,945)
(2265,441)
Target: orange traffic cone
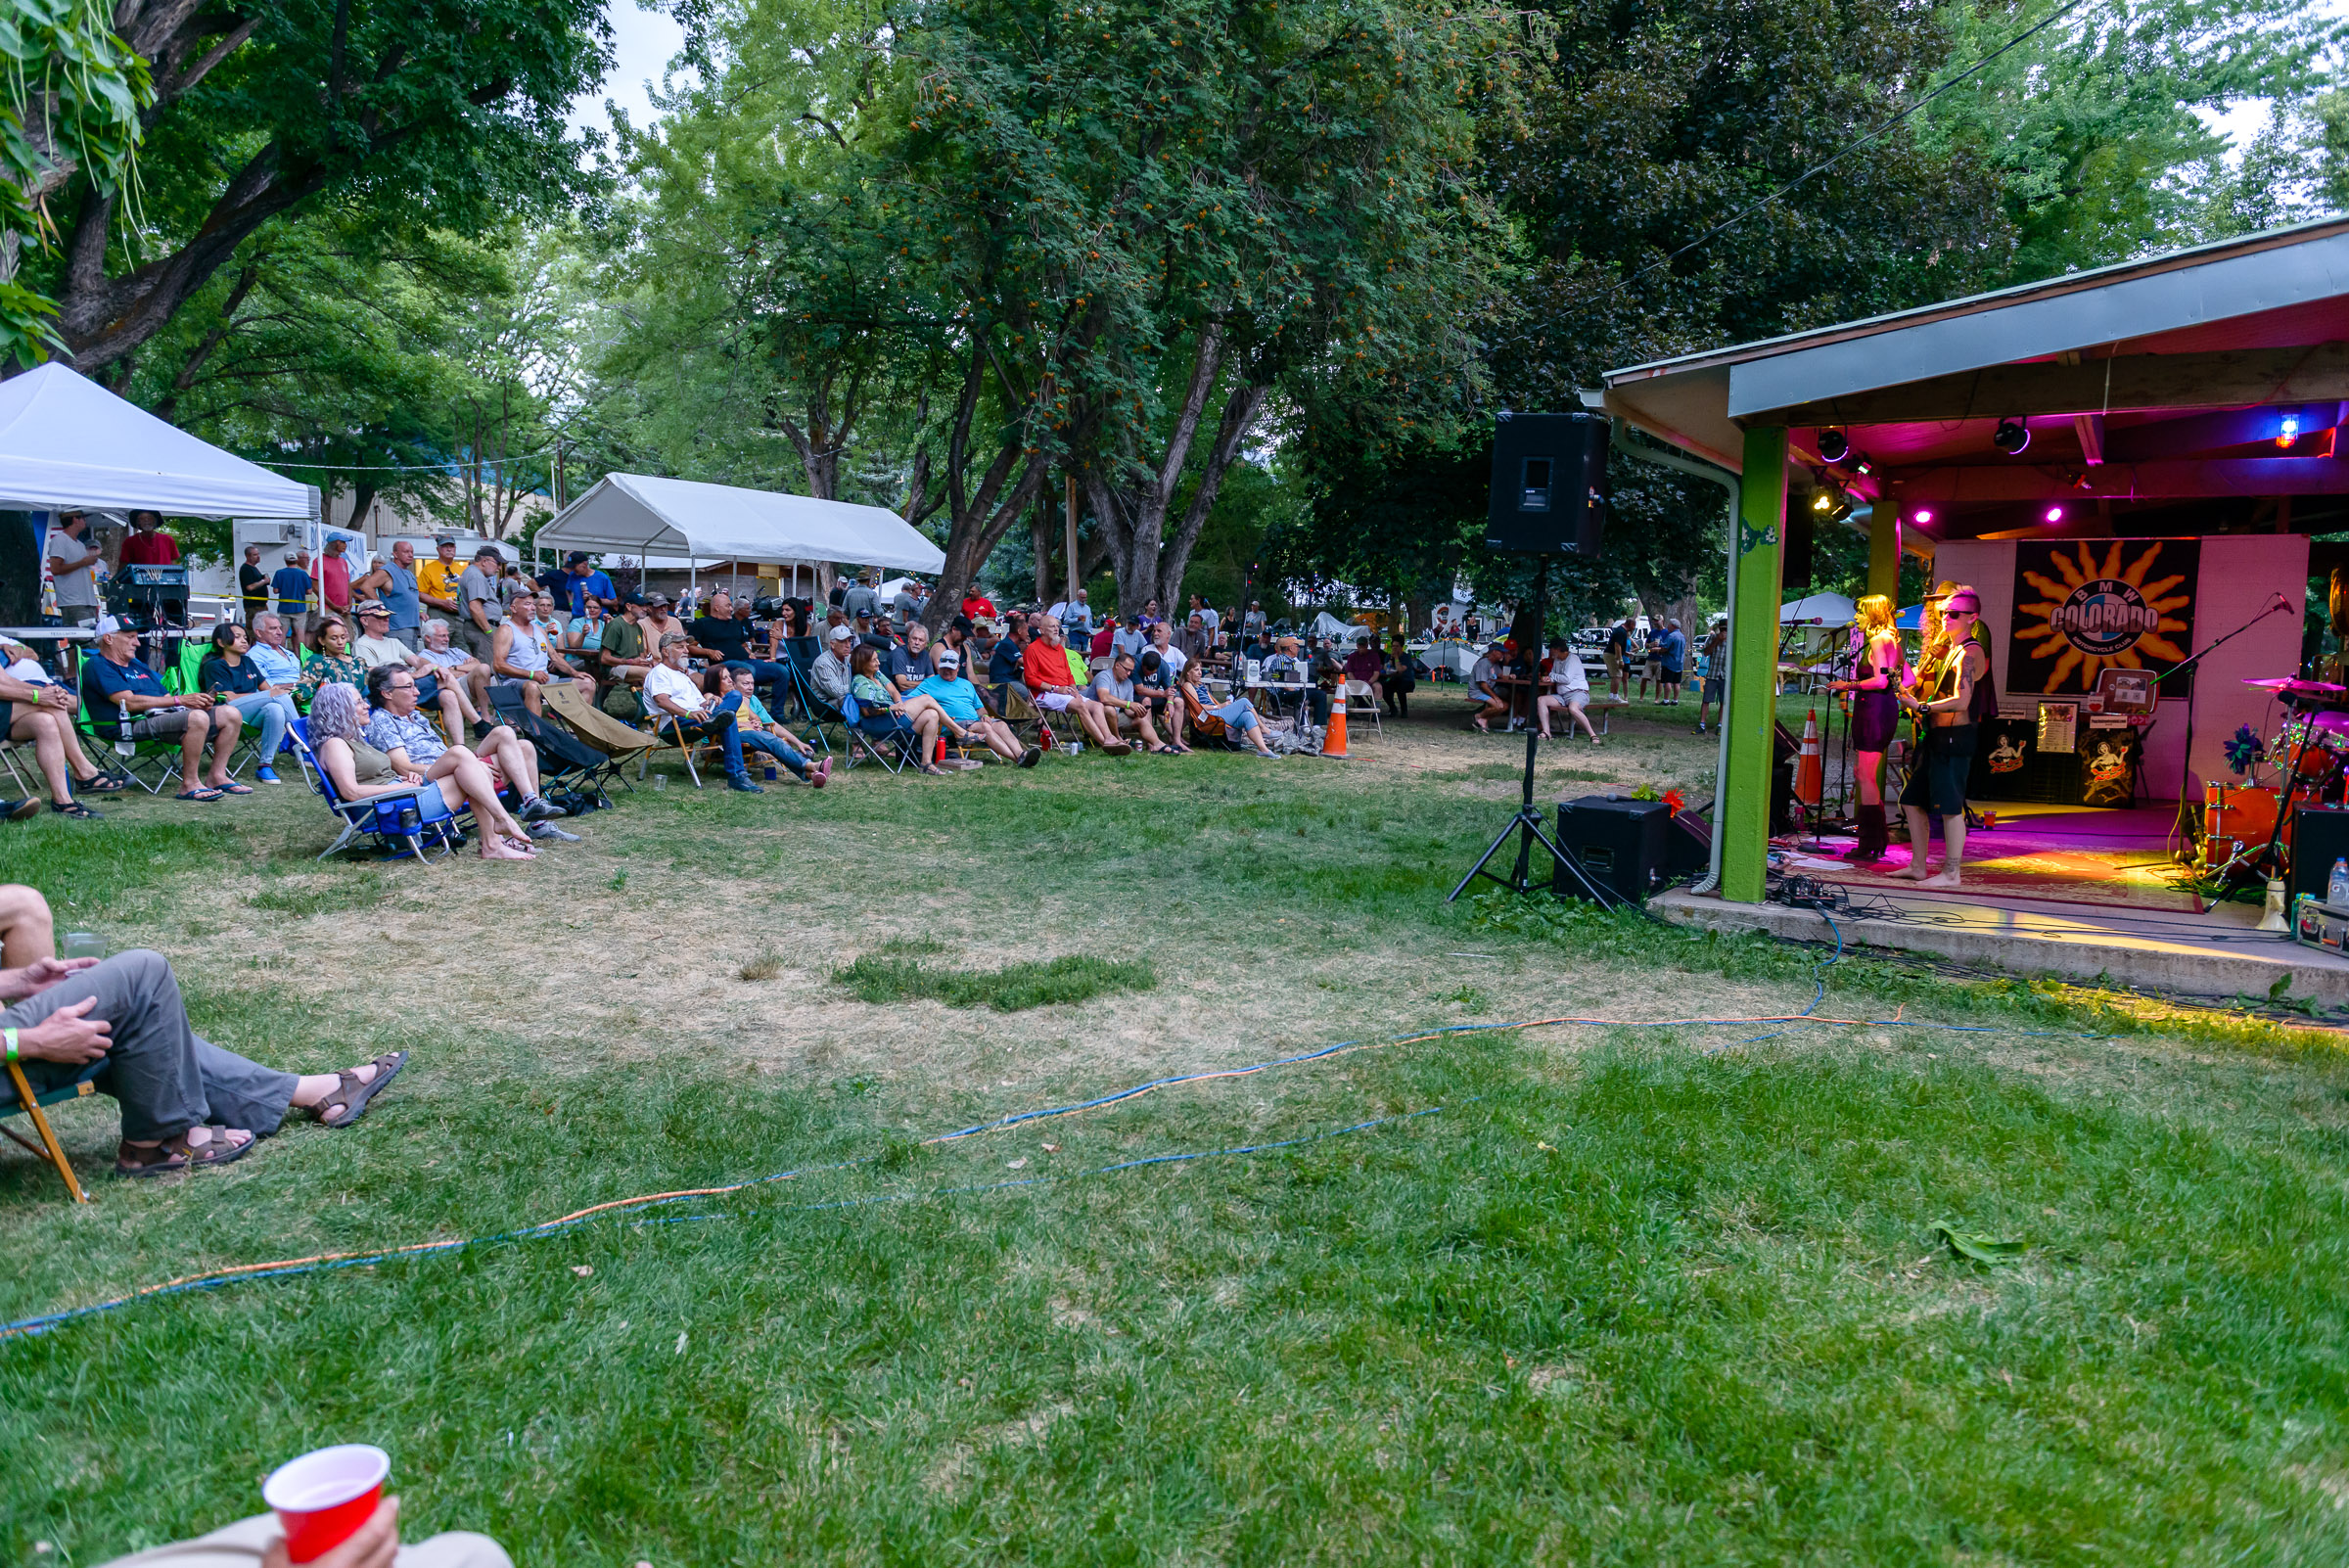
(1808,781)
(1333,739)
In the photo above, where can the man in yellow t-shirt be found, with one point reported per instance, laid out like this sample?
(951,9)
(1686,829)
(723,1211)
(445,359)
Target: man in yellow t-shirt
(437,581)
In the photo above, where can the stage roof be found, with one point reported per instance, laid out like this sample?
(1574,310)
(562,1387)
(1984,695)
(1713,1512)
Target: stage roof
(2216,374)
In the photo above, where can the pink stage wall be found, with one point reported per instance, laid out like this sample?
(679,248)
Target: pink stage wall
(2238,576)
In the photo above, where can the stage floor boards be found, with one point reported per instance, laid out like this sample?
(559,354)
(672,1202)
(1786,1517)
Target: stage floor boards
(2052,852)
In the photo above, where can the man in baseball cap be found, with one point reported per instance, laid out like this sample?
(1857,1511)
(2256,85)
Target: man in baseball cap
(961,713)
(830,672)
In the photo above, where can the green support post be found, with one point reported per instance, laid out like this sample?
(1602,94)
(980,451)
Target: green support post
(1752,710)
(1884,550)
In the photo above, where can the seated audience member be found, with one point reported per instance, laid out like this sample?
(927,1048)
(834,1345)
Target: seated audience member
(397,729)
(330,660)
(279,662)
(185,1102)
(1004,645)
(360,770)
(1162,642)
(585,635)
(907,667)
(230,674)
(1484,684)
(883,712)
(1112,687)
(624,658)
(522,656)
(831,673)
(658,624)
(40,713)
(1398,678)
(1195,641)
(1053,688)
(1129,638)
(681,708)
(1157,687)
(760,732)
(1238,717)
(964,716)
(1364,663)
(1569,690)
(724,639)
(452,669)
(128,702)
(376,648)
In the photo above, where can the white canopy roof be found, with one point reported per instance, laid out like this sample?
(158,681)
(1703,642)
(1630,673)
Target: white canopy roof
(641,514)
(66,442)
(1820,609)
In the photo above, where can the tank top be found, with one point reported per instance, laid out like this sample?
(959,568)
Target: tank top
(526,652)
(369,766)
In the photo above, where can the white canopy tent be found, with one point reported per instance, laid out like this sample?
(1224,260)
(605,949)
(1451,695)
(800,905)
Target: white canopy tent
(643,515)
(1818,610)
(66,442)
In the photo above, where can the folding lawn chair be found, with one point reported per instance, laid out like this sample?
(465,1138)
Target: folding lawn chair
(899,739)
(565,762)
(24,1102)
(600,732)
(415,818)
(670,731)
(1358,692)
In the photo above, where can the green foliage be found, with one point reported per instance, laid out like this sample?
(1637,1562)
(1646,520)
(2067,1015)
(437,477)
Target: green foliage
(1015,987)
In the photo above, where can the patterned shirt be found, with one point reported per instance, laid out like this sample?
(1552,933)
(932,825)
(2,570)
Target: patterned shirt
(321,670)
(387,732)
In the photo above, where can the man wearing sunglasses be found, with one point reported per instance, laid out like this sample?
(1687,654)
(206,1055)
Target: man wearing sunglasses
(1952,668)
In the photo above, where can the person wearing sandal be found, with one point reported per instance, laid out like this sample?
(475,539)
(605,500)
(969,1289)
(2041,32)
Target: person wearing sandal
(128,702)
(230,676)
(359,771)
(185,1101)
(41,712)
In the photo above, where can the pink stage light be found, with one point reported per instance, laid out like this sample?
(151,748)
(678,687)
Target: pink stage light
(2054,514)
(1924,514)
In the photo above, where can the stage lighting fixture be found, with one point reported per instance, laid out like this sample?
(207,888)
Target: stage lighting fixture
(1834,446)
(2054,514)
(1822,500)
(1924,514)
(2011,436)
(1841,509)
(2289,433)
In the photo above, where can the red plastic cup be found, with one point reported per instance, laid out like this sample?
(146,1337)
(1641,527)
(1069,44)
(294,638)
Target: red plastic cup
(323,1498)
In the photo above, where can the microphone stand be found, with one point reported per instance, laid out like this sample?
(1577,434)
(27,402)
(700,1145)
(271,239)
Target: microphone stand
(2185,823)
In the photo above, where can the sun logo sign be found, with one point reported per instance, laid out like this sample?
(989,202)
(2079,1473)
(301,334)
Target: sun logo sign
(2084,605)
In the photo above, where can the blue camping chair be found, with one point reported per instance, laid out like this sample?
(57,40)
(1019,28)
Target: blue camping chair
(24,1102)
(893,747)
(384,817)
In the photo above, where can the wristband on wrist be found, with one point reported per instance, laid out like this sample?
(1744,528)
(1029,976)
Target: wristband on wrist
(8,1043)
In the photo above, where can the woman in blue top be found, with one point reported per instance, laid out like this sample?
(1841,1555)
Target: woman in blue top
(960,712)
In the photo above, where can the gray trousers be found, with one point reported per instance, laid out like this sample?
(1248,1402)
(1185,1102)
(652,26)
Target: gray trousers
(165,1077)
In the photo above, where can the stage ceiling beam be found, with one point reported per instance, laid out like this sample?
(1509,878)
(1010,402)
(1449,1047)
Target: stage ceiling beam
(2133,383)
(2184,480)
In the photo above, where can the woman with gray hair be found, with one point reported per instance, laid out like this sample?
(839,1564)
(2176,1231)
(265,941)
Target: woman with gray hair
(360,772)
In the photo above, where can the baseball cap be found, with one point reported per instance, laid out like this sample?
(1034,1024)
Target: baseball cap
(947,658)
(440,539)
(575,558)
(843,634)
(370,607)
(107,626)
(489,550)
(657,598)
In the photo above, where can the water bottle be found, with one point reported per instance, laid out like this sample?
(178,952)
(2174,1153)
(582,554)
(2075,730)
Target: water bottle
(2336,889)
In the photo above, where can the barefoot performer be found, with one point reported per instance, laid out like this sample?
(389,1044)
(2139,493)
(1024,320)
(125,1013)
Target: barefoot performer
(1947,673)
(1876,688)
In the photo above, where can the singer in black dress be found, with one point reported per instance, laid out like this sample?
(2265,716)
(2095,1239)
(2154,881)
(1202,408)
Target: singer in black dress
(1880,672)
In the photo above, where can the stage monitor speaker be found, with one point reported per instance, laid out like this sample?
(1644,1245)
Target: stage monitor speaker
(1623,846)
(1549,480)
(1794,570)
(2320,836)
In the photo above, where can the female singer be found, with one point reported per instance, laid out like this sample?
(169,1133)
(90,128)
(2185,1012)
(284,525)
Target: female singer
(1952,668)
(1877,676)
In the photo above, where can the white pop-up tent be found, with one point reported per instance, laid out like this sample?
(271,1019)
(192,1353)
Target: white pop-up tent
(642,515)
(1818,610)
(66,442)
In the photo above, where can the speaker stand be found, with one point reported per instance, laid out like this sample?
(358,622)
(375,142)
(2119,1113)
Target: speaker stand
(1525,824)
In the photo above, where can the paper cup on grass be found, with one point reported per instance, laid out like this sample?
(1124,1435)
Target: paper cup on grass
(323,1498)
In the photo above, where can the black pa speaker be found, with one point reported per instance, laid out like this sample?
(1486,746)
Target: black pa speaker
(1624,846)
(1802,537)
(2320,837)
(1550,479)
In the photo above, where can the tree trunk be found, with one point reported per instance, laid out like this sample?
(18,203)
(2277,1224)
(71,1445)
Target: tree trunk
(977,518)
(19,570)
(1043,558)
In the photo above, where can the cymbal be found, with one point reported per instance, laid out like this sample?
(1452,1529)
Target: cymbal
(2300,688)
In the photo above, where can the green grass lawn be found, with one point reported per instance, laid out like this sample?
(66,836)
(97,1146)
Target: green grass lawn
(1623,1295)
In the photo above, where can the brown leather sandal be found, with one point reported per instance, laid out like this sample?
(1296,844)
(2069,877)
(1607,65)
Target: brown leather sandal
(349,1096)
(174,1154)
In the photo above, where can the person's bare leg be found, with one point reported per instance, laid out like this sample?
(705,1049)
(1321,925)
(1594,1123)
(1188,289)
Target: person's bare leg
(531,699)
(452,713)
(1953,834)
(75,758)
(476,682)
(28,931)
(1542,711)
(310,1090)
(1920,841)
(516,760)
(1148,731)
(1582,718)
(40,727)
(191,749)
(473,781)
(225,723)
(925,736)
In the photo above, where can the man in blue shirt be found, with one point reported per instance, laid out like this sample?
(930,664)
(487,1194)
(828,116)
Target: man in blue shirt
(957,701)
(125,700)
(582,581)
(1675,650)
(290,585)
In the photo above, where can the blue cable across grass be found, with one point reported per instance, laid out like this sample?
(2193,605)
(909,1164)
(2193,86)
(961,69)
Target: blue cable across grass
(319,1265)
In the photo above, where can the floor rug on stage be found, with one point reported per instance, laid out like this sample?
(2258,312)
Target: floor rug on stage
(2107,858)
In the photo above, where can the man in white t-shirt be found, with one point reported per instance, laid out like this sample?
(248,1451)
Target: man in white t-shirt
(71,555)
(1162,638)
(671,694)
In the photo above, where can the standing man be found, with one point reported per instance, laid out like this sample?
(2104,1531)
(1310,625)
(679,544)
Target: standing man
(292,585)
(1674,649)
(125,700)
(72,559)
(438,578)
(1076,617)
(253,584)
(147,544)
(860,601)
(334,582)
(1619,643)
(485,606)
(1948,673)
(393,581)
(1253,623)
(582,579)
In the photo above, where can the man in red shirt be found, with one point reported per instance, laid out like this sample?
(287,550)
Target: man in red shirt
(976,604)
(1105,637)
(334,578)
(147,544)
(1053,687)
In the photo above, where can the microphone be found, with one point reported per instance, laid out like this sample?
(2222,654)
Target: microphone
(2283,603)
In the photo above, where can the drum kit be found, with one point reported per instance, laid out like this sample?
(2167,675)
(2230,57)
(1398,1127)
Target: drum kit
(2249,827)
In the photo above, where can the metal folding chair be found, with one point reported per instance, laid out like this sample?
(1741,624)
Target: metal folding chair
(899,739)
(381,816)
(1358,691)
